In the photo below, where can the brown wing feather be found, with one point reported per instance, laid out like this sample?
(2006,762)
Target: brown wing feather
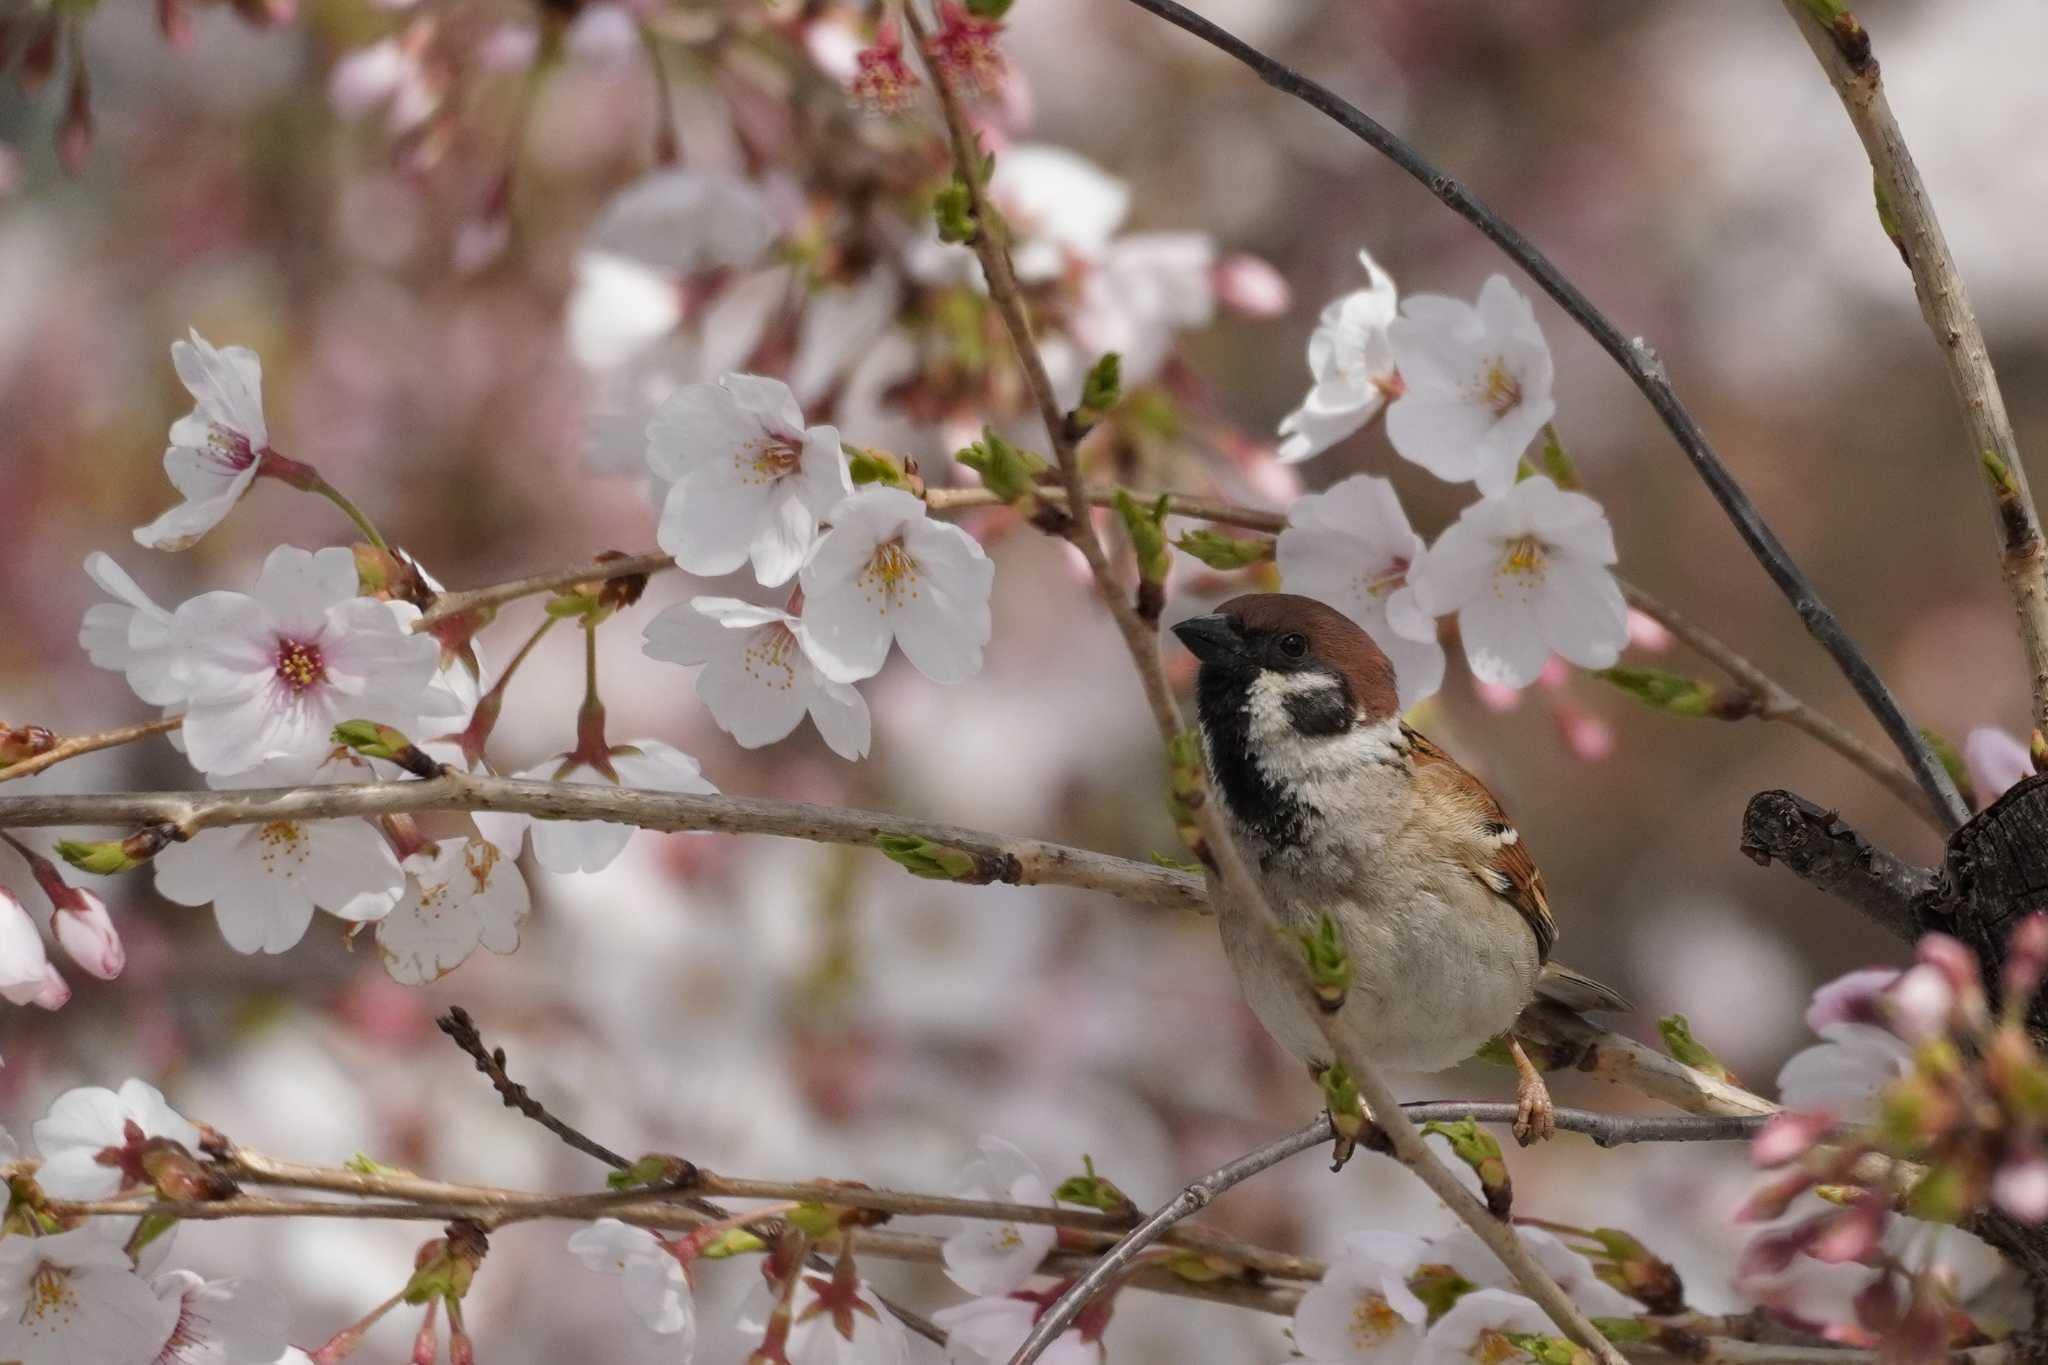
(1491,848)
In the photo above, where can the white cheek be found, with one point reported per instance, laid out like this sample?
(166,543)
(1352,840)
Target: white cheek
(1292,759)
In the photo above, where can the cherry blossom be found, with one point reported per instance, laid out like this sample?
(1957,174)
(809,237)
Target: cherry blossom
(271,673)
(1474,1331)
(72,1297)
(589,845)
(265,880)
(88,1131)
(751,481)
(1351,358)
(1476,384)
(462,893)
(1996,762)
(991,1328)
(1465,1253)
(132,635)
(832,1322)
(1527,574)
(1363,1310)
(1059,206)
(216,448)
(758,679)
(840,323)
(85,931)
(656,1288)
(886,572)
(1351,546)
(618,308)
(220,1322)
(26,976)
(988,1257)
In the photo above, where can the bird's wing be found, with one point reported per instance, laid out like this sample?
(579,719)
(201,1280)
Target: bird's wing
(1490,847)
(1560,985)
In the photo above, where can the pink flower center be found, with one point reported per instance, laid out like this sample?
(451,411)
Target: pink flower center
(1383,583)
(1502,393)
(300,664)
(229,449)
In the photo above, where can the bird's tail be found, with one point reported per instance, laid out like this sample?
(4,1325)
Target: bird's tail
(1560,985)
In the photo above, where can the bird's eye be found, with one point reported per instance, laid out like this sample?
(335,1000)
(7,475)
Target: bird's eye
(1294,645)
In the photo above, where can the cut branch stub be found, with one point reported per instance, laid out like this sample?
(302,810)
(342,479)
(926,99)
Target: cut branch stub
(1820,848)
(1995,875)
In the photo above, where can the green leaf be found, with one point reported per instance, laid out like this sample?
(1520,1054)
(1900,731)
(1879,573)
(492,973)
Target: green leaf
(1625,1331)
(1092,1190)
(1329,966)
(1224,552)
(1177,864)
(1340,1097)
(1100,392)
(101,857)
(923,858)
(953,212)
(876,466)
(1557,462)
(1548,1350)
(988,9)
(1958,771)
(652,1169)
(1146,526)
(1680,1043)
(1005,470)
(367,1165)
(1673,693)
(1477,1148)
(732,1242)
(371,739)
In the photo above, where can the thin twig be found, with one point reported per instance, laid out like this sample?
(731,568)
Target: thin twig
(462,1031)
(449,604)
(1907,214)
(1190,1201)
(1774,702)
(1642,366)
(86,744)
(997,858)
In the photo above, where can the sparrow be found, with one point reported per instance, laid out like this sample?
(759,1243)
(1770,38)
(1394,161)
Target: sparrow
(1340,807)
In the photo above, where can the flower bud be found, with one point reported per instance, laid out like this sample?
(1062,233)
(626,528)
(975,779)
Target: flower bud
(1854,1233)
(1921,1005)
(1251,286)
(1850,999)
(87,934)
(1788,1136)
(2020,1185)
(1955,961)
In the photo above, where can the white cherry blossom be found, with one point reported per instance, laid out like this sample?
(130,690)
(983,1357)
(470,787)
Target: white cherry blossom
(618,308)
(987,1257)
(1351,358)
(265,880)
(1351,546)
(1059,207)
(1846,1073)
(271,672)
(1363,1310)
(686,220)
(590,845)
(26,976)
(132,635)
(216,448)
(1527,572)
(220,1322)
(84,1136)
(1474,1331)
(71,1297)
(751,481)
(758,680)
(840,323)
(991,1328)
(887,572)
(461,894)
(656,1288)
(1476,384)
(1463,1252)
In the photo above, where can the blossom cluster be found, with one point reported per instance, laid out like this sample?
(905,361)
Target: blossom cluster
(1916,1073)
(1465,388)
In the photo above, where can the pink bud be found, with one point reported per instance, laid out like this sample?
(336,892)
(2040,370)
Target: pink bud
(1771,1198)
(1772,1253)
(1590,738)
(1854,1233)
(1787,1137)
(1647,634)
(1497,696)
(2026,956)
(1954,959)
(1995,761)
(1850,999)
(87,935)
(605,34)
(1921,1005)
(51,991)
(2020,1186)
(1252,286)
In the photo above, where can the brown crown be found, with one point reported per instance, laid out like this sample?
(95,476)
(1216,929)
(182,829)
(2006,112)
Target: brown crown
(1333,638)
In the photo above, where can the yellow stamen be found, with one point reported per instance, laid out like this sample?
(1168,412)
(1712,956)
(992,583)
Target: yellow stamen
(1525,559)
(891,575)
(1373,1319)
(300,665)
(768,460)
(1503,392)
(768,657)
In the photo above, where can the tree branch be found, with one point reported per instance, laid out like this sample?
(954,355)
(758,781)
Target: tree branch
(1907,215)
(998,858)
(1818,847)
(1642,366)
(86,744)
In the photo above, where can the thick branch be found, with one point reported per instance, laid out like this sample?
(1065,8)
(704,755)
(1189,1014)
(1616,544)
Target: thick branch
(1818,847)
(998,858)
(1908,216)
(1640,363)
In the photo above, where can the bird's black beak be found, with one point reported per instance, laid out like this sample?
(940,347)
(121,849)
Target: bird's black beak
(1213,639)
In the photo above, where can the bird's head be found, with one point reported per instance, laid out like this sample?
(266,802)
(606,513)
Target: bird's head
(1292,696)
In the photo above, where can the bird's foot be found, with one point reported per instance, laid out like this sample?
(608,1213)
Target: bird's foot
(1535,1115)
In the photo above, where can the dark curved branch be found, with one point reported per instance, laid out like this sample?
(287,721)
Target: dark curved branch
(1642,366)
(1818,847)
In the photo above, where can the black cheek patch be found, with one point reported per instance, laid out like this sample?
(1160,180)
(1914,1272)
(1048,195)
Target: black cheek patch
(1325,711)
